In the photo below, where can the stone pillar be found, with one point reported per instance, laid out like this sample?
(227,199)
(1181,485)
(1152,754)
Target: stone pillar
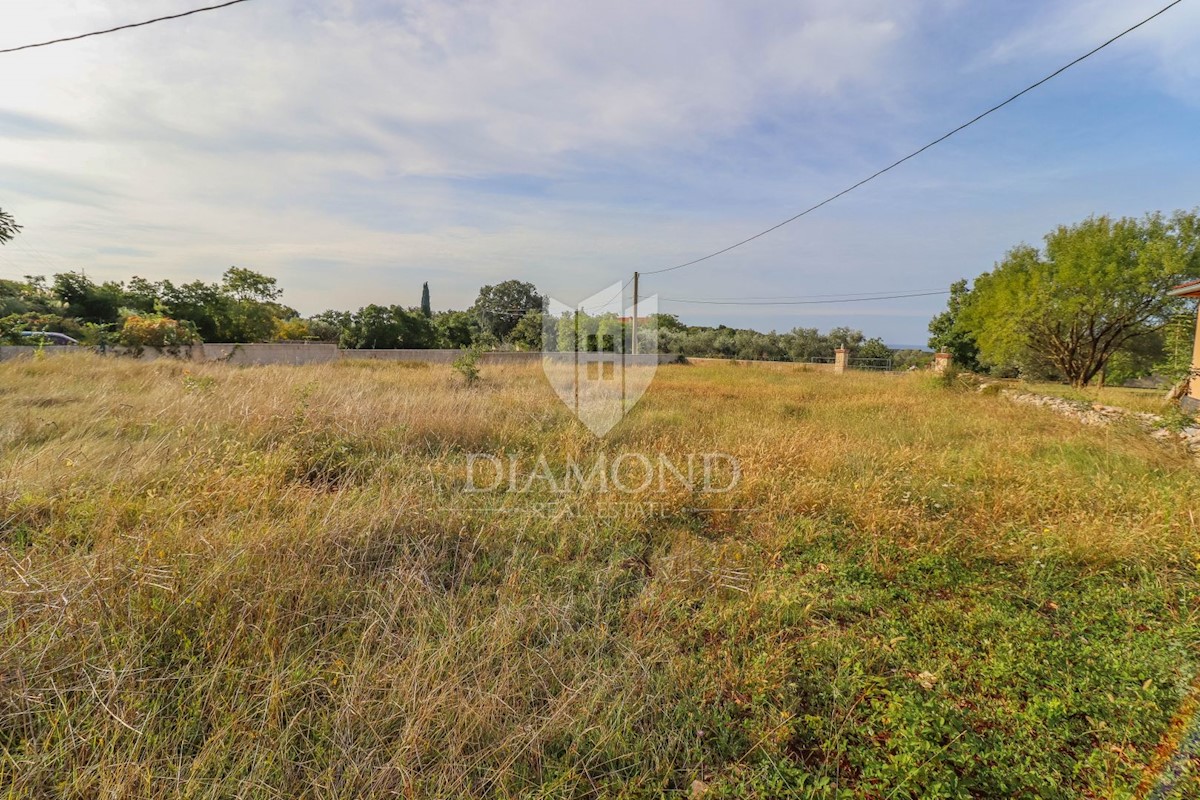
(841,357)
(941,362)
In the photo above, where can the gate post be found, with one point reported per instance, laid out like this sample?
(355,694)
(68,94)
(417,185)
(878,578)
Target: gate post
(841,357)
(941,362)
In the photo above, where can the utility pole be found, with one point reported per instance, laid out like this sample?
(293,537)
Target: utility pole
(635,299)
(624,407)
(576,348)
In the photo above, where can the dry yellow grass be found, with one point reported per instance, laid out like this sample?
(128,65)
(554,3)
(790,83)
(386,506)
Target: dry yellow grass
(269,582)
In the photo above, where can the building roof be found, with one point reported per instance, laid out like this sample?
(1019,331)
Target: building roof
(1188,289)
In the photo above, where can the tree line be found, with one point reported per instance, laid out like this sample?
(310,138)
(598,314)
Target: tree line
(246,306)
(1091,304)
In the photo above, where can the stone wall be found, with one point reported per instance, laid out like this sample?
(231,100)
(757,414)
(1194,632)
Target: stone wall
(266,353)
(9,351)
(258,354)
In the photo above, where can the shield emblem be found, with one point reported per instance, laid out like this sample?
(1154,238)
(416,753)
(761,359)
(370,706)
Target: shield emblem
(590,359)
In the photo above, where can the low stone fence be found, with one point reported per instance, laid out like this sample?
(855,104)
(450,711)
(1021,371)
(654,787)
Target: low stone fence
(796,366)
(1101,415)
(9,351)
(440,356)
(266,353)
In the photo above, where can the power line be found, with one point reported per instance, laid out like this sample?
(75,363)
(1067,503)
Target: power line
(124,27)
(604,305)
(801,302)
(917,152)
(837,295)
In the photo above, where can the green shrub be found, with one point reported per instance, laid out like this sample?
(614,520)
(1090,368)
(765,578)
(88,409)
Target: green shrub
(467,364)
(156,330)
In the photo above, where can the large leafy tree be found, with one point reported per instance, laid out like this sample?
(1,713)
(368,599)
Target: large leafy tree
(1093,288)
(499,308)
(947,333)
(252,308)
(246,285)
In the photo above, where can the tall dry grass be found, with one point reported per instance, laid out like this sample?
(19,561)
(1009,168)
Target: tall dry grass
(268,582)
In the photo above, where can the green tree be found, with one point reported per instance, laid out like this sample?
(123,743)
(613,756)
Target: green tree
(20,297)
(376,327)
(142,295)
(416,329)
(204,305)
(499,308)
(456,329)
(947,333)
(610,333)
(246,285)
(8,227)
(85,300)
(329,325)
(426,308)
(565,333)
(873,348)
(372,328)
(252,308)
(666,322)
(846,337)
(527,334)
(801,344)
(1137,359)
(1096,286)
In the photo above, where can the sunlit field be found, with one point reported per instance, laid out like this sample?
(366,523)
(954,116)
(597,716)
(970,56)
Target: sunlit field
(273,583)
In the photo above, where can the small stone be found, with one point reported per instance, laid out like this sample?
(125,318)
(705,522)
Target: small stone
(699,789)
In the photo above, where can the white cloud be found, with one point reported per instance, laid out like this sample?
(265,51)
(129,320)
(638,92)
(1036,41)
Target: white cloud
(357,148)
(231,135)
(1169,44)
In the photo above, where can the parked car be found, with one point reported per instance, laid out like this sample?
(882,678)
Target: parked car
(49,338)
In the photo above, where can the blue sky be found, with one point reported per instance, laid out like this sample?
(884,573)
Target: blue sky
(356,148)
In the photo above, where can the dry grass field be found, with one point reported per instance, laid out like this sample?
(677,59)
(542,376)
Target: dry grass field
(270,583)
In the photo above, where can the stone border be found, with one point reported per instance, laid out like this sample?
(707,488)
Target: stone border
(1101,415)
